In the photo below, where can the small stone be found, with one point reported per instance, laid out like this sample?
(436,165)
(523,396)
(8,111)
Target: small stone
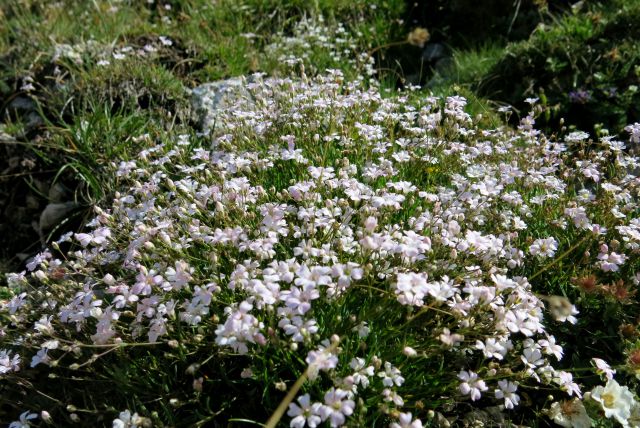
(57,193)
(22,105)
(209,99)
(53,214)
(433,52)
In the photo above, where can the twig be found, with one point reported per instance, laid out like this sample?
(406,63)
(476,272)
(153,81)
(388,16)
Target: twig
(282,407)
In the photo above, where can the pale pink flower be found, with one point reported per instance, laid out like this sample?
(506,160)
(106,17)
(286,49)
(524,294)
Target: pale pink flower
(337,407)
(306,413)
(507,391)
(471,384)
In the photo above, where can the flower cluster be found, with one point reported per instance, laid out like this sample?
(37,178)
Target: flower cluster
(319,219)
(313,40)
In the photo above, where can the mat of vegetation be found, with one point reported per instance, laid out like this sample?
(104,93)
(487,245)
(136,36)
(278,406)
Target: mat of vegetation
(78,78)
(382,259)
(321,251)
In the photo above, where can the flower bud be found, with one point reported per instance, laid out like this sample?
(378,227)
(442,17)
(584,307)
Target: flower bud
(409,352)
(46,417)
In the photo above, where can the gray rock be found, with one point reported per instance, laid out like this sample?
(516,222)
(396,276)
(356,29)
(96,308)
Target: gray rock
(445,66)
(32,201)
(27,109)
(488,417)
(432,52)
(57,193)
(33,121)
(53,214)
(209,99)
(6,138)
(22,105)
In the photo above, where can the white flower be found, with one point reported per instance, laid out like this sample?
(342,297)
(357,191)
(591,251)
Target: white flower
(616,400)
(634,130)
(551,347)
(544,247)
(362,329)
(178,277)
(392,396)
(449,339)
(566,383)
(570,414)
(25,417)
(322,359)
(363,372)
(8,363)
(405,420)
(603,368)
(561,309)
(40,358)
(337,406)
(611,262)
(532,357)
(507,391)
(471,385)
(306,413)
(411,288)
(391,375)
(409,351)
(165,40)
(127,420)
(493,348)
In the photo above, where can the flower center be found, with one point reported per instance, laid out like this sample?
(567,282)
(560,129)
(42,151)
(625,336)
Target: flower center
(608,400)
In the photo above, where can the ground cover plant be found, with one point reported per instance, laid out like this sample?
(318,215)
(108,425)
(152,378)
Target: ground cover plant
(71,72)
(384,249)
(323,251)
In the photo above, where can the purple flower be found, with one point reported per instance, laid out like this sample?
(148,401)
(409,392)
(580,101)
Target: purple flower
(581,96)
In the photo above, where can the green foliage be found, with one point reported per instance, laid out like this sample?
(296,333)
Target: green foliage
(584,66)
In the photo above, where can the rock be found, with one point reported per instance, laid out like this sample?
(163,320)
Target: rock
(27,109)
(57,193)
(433,52)
(53,214)
(6,138)
(445,66)
(23,256)
(33,121)
(488,417)
(32,201)
(22,105)
(209,99)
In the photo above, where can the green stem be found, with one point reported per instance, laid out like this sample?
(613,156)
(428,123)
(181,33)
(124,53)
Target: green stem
(562,256)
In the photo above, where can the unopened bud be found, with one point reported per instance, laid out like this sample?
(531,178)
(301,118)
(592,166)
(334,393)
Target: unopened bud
(46,417)
(192,369)
(409,352)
